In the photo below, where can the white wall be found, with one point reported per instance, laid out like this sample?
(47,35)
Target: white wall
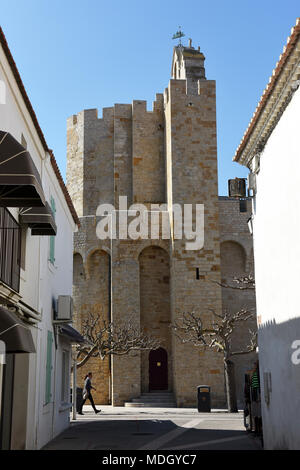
(55,280)
(277,273)
(41,282)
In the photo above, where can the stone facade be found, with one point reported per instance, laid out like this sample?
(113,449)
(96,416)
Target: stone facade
(164,156)
(237,261)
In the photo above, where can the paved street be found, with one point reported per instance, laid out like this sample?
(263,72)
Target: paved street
(122,428)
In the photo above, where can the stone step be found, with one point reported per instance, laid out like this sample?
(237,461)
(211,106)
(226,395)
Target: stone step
(158,402)
(149,405)
(158,399)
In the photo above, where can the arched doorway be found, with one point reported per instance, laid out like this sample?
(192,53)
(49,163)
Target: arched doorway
(155,309)
(92,297)
(158,369)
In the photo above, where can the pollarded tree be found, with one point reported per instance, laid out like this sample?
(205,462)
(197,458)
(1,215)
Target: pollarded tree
(217,335)
(105,339)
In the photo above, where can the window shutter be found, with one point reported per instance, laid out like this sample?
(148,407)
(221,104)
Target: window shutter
(65,377)
(49,367)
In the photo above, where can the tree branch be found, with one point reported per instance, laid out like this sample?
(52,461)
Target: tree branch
(107,338)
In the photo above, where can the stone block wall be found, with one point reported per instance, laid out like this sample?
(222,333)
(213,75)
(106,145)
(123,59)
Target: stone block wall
(154,268)
(91,296)
(237,261)
(148,152)
(167,155)
(192,175)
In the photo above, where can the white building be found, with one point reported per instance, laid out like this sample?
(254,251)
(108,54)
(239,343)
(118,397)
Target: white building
(35,268)
(270,148)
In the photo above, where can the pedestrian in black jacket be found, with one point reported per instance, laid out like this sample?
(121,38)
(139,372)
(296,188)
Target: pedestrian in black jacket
(87,393)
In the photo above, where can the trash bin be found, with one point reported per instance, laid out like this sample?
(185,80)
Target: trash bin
(78,398)
(204,399)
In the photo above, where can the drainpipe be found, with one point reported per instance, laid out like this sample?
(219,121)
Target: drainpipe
(54,408)
(74,386)
(110,317)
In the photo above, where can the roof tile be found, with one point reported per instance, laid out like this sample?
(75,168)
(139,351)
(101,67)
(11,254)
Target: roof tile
(287,50)
(28,104)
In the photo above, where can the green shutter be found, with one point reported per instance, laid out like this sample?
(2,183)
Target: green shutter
(48,367)
(52,238)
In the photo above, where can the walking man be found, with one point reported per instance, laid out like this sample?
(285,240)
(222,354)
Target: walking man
(87,393)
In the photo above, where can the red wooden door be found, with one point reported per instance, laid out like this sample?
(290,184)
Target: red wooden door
(158,369)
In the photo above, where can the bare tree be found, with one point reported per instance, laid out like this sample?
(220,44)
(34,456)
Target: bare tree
(217,335)
(107,338)
(241,283)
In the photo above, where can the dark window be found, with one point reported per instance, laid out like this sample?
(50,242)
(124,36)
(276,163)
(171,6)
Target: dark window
(243,205)
(197,273)
(10,249)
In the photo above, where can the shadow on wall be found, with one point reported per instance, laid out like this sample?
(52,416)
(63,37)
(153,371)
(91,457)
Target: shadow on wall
(279,358)
(236,263)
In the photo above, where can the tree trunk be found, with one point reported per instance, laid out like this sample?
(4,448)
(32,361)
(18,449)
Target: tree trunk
(230,386)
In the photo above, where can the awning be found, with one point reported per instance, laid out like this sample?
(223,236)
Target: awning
(73,335)
(16,336)
(39,219)
(20,182)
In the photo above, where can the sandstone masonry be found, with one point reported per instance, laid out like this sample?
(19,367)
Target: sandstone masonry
(167,155)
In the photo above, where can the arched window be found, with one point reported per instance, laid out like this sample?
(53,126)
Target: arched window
(233,259)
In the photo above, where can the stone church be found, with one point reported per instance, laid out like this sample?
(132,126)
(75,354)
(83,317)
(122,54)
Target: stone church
(167,155)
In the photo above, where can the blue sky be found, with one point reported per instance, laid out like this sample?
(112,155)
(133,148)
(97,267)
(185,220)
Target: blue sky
(75,54)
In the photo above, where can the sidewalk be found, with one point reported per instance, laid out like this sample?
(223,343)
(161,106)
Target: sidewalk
(120,428)
(124,411)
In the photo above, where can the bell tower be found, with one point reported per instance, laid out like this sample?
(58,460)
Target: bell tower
(192,178)
(188,64)
(164,156)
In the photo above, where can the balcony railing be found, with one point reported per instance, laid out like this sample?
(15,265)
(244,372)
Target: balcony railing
(10,250)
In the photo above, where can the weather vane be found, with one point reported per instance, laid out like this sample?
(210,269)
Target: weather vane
(178,35)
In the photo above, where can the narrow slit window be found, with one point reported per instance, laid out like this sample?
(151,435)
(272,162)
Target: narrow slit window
(243,205)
